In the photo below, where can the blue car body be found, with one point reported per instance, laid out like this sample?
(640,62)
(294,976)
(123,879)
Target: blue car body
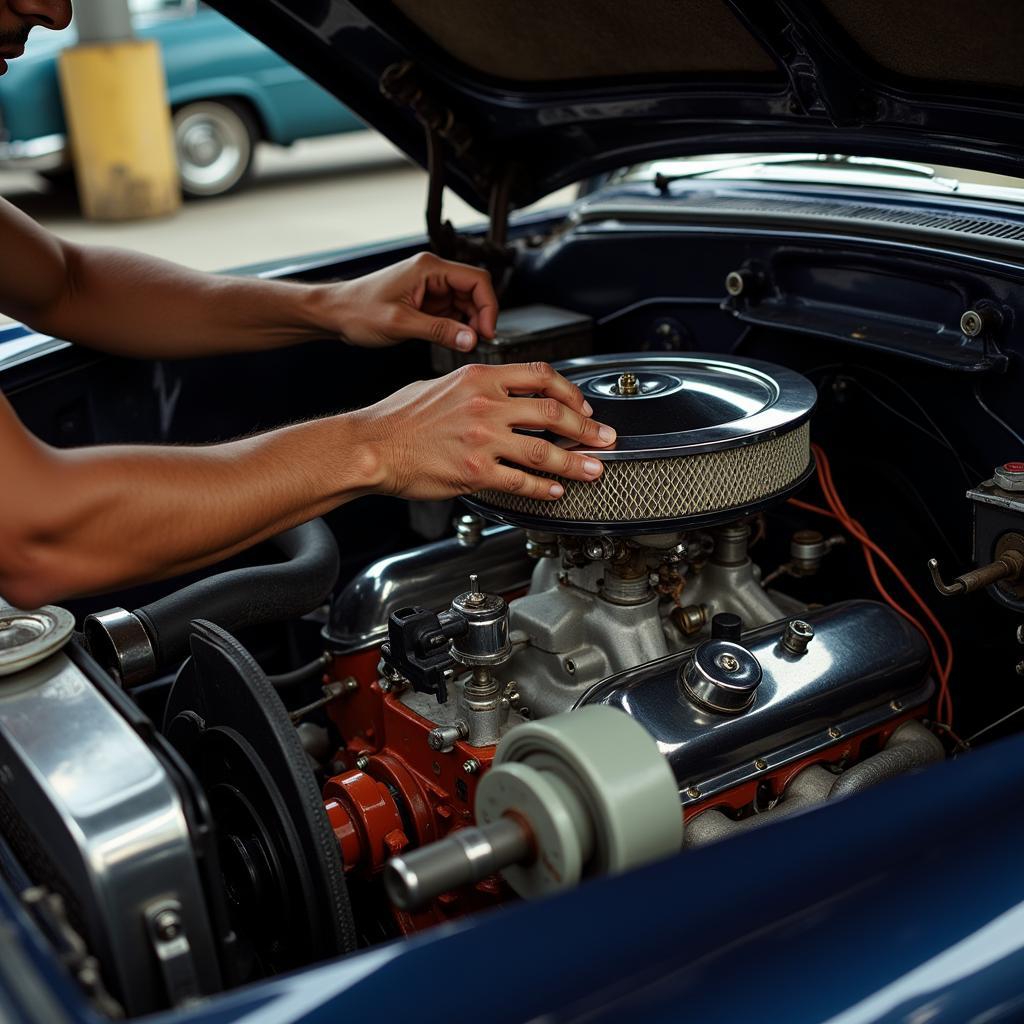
(205,56)
(904,903)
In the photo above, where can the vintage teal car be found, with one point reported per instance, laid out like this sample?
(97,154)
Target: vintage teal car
(227,92)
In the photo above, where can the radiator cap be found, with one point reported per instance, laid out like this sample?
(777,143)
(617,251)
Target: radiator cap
(27,637)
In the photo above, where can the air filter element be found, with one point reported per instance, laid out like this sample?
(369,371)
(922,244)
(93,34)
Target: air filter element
(701,440)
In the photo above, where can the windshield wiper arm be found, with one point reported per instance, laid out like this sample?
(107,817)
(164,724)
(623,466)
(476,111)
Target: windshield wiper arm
(876,165)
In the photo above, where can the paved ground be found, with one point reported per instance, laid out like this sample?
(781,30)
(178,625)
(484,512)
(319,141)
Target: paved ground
(318,195)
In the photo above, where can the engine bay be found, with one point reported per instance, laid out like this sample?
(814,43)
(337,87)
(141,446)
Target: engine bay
(514,698)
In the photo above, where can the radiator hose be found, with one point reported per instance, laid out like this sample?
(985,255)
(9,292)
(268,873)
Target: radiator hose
(134,645)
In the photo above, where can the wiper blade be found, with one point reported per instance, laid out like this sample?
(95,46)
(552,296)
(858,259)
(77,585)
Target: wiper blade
(855,164)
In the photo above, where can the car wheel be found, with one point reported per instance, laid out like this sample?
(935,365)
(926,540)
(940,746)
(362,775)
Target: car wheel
(214,141)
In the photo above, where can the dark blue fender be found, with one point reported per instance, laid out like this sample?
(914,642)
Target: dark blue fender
(903,904)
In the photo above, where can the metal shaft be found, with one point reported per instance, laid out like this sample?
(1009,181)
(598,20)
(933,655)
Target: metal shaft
(103,21)
(1008,566)
(461,859)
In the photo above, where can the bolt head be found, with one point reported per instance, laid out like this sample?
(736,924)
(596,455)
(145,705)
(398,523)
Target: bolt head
(734,283)
(798,634)
(1019,668)
(471,766)
(167,925)
(1010,476)
(760,764)
(693,792)
(1020,633)
(896,705)
(971,323)
(834,732)
(628,384)
(362,762)
(727,663)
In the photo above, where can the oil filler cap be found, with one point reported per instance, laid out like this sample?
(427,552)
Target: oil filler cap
(722,676)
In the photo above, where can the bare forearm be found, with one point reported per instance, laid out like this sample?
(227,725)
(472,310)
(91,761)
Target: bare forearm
(130,304)
(119,515)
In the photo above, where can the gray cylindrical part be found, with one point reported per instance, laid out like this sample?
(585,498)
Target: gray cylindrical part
(485,641)
(460,859)
(103,21)
(731,544)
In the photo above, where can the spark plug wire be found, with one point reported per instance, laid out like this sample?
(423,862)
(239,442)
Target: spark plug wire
(837,510)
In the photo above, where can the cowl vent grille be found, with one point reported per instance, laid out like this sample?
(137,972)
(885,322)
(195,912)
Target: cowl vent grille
(935,220)
(821,212)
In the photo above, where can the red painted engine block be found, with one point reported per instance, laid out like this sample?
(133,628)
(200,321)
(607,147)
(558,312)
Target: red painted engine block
(396,792)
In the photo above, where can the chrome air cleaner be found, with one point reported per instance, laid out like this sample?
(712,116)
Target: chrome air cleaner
(701,440)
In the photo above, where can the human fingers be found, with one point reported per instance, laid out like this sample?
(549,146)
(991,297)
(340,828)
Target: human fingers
(552,415)
(534,453)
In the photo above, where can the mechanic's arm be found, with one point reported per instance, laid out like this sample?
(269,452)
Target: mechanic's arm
(134,305)
(91,519)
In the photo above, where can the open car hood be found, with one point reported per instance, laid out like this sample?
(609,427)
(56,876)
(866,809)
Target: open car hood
(524,97)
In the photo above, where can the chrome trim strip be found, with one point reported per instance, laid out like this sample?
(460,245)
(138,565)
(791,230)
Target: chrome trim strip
(47,153)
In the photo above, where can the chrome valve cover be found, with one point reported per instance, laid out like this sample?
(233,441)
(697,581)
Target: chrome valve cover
(865,665)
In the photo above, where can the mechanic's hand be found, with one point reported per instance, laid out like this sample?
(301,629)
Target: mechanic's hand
(453,435)
(450,304)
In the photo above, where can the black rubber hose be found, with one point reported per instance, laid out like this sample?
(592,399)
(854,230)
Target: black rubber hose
(302,674)
(252,596)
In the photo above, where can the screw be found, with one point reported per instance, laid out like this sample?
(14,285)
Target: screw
(727,662)
(167,925)
(971,323)
(471,766)
(760,764)
(896,705)
(693,792)
(834,732)
(363,762)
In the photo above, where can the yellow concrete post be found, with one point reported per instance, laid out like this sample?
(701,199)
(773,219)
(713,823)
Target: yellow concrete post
(115,104)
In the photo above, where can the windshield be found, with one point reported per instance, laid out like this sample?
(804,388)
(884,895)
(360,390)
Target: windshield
(828,168)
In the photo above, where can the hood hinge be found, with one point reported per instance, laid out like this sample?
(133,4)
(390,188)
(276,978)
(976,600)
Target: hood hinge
(401,83)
